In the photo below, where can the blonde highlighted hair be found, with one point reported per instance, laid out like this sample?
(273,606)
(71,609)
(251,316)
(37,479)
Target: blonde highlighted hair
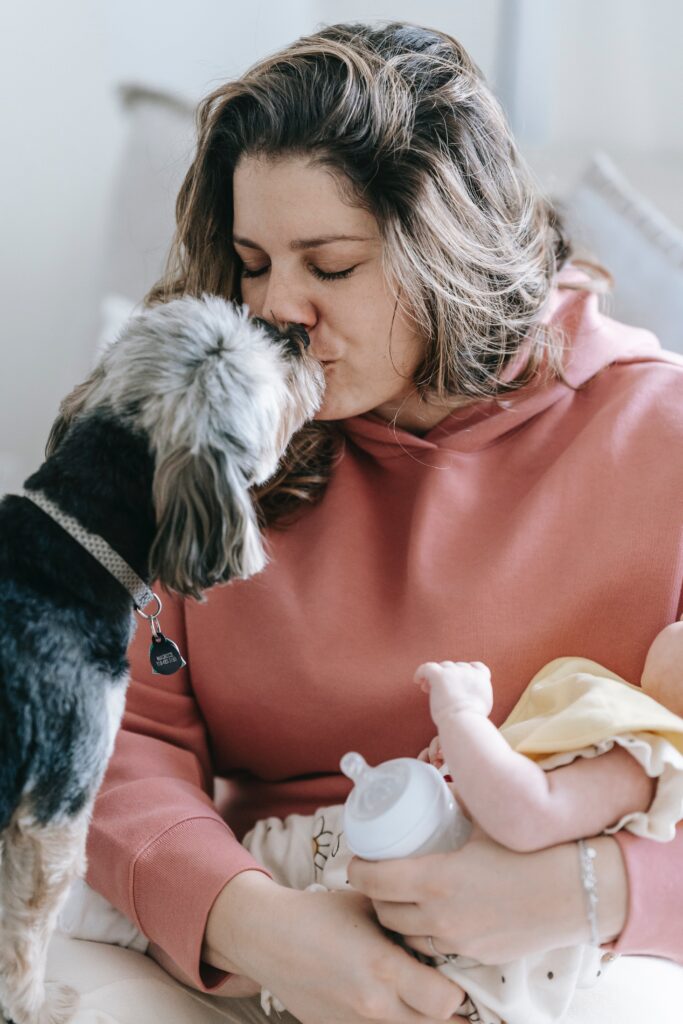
(405,119)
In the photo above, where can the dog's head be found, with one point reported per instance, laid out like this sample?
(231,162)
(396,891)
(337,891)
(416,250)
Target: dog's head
(219,396)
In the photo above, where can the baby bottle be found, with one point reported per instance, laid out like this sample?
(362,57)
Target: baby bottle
(401,808)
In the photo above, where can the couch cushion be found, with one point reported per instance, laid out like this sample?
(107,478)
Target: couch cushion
(641,248)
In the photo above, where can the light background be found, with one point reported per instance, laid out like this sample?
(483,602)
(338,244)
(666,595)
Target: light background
(574,76)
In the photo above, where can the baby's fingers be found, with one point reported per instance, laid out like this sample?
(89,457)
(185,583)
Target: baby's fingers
(427,674)
(435,753)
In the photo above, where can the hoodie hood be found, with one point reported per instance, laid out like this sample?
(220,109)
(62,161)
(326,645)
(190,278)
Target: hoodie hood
(593,341)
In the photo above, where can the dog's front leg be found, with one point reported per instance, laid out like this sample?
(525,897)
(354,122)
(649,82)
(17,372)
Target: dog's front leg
(39,862)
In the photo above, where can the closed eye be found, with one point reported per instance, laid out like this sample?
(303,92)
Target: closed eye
(320,274)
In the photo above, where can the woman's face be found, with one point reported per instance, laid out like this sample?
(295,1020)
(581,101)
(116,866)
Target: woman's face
(289,219)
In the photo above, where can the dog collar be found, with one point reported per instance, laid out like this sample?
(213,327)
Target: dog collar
(164,656)
(98,548)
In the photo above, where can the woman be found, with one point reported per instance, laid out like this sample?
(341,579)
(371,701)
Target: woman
(483,482)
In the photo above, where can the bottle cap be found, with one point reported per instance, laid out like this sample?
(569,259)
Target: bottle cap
(394,808)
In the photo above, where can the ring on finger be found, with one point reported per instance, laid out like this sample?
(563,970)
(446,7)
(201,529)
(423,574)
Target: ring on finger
(434,951)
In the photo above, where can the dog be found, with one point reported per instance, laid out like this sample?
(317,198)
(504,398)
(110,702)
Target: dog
(147,476)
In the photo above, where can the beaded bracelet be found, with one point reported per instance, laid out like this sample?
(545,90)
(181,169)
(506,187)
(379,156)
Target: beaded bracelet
(587,855)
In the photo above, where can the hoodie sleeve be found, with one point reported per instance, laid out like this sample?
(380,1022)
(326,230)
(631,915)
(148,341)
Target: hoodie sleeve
(157,848)
(655,879)
(655,912)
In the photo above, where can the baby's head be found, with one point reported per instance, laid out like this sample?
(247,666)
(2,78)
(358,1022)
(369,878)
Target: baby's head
(662,676)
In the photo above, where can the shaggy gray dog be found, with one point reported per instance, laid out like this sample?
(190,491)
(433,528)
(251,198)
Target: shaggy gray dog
(147,476)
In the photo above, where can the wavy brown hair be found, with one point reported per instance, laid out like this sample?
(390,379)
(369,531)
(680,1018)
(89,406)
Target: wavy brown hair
(405,119)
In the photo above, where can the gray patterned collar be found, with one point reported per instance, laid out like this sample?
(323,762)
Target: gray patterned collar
(97,546)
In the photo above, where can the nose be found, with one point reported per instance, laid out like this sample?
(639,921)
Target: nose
(285,300)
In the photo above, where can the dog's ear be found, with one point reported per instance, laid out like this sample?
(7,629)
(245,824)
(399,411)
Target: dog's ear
(69,409)
(207,531)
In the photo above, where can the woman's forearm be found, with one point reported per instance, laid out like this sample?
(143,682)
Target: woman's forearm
(237,901)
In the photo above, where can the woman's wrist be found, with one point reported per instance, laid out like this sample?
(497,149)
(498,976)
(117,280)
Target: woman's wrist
(238,901)
(557,878)
(612,888)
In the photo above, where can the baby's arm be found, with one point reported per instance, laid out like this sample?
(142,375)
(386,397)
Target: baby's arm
(508,795)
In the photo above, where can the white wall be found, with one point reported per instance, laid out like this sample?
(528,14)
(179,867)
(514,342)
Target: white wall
(619,77)
(190,46)
(576,73)
(60,135)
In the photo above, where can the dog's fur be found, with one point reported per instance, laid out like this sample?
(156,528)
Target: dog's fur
(194,403)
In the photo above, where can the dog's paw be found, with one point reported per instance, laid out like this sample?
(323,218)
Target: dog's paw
(61,1002)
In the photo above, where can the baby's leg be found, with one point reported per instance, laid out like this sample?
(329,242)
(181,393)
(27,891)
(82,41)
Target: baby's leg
(296,850)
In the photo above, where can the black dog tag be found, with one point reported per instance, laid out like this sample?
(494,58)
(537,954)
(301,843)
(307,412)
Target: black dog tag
(164,655)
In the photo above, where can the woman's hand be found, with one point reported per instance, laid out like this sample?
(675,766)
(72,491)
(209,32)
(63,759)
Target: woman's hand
(486,902)
(324,955)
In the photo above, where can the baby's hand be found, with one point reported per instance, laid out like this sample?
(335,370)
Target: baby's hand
(456,686)
(432,754)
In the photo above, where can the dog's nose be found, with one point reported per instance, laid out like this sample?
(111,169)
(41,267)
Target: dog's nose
(295,336)
(270,329)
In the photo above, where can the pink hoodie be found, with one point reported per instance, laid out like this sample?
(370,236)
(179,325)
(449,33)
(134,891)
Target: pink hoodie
(510,536)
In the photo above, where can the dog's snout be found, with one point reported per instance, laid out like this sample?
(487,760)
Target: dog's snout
(270,329)
(295,336)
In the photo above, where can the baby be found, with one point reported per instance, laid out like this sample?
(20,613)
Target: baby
(607,741)
(570,703)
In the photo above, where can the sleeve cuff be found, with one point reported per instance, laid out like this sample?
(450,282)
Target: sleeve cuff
(175,882)
(655,897)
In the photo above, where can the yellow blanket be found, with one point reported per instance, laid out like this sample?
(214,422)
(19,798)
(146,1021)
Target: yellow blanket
(573,703)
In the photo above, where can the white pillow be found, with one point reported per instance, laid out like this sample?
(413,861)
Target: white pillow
(642,249)
(157,152)
(115,310)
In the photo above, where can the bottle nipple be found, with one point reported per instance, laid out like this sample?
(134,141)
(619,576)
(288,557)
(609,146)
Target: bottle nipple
(354,765)
(395,808)
(377,788)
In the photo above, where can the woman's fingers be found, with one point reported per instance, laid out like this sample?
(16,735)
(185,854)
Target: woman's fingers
(406,918)
(406,1015)
(422,945)
(412,877)
(429,992)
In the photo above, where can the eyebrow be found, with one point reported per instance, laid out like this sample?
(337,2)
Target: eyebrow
(307,243)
